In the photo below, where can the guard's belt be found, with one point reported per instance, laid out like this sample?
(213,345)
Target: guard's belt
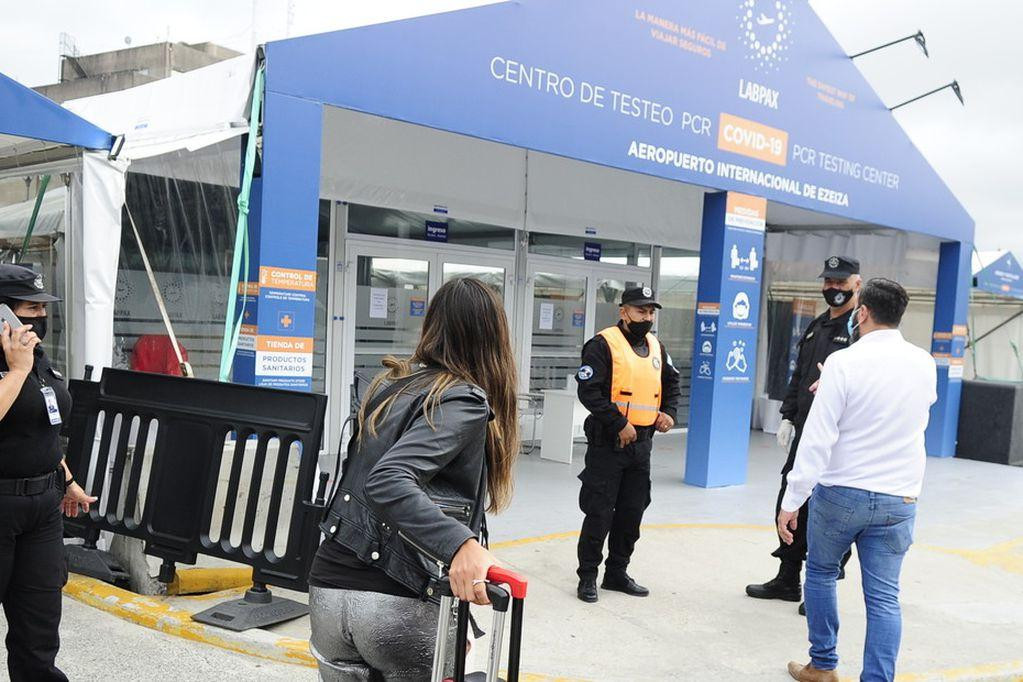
(31,486)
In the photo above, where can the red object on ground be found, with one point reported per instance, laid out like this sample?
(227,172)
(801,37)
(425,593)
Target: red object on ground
(154,353)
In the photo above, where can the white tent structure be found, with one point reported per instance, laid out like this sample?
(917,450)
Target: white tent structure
(186,112)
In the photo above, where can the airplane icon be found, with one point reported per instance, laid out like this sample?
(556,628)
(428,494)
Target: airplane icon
(764,20)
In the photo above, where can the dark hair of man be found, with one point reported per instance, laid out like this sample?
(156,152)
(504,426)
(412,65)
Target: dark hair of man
(886,300)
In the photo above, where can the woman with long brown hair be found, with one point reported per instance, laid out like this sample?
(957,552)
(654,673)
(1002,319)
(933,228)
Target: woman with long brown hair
(435,441)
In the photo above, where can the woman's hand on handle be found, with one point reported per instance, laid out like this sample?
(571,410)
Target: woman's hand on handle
(468,572)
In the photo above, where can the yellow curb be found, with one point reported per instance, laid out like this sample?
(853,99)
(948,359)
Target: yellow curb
(156,614)
(206,580)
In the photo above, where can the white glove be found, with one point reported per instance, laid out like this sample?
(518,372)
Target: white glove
(786,431)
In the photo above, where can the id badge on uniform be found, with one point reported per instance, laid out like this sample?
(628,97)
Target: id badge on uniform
(52,409)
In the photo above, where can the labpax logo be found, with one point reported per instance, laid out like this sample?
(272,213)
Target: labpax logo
(765,28)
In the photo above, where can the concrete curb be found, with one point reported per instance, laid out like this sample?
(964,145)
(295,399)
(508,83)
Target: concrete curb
(156,614)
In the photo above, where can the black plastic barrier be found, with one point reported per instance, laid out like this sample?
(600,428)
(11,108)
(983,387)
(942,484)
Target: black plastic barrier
(153,449)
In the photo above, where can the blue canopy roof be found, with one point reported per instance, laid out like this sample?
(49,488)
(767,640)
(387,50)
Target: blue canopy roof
(754,96)
(26,113)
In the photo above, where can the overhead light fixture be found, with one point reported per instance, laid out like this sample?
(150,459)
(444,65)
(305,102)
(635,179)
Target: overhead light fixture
(917,37)
(954,85)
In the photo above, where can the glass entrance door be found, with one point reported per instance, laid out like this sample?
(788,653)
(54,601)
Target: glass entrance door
(558,329)
(383,302)
(390,302)
(565,305)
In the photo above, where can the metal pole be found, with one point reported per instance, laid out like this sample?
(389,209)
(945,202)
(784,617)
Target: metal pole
(926,94)
(991,331)
(43,183)
(894,42)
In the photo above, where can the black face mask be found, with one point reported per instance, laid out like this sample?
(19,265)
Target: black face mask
(38,325)
(837,298)
(640,329)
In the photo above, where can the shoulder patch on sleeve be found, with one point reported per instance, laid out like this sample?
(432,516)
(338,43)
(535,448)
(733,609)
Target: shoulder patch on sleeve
(585,373)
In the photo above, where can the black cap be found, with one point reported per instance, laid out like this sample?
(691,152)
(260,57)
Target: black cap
(640,296)
(23,284)
(840,267)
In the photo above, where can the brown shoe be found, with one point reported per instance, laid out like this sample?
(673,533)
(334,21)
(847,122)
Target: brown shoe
(807,673)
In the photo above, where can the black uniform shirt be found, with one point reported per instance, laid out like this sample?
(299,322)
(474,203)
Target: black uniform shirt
(822,337)
(29,444)
(594,379)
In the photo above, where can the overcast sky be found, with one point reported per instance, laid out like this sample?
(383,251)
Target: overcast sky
(975,148)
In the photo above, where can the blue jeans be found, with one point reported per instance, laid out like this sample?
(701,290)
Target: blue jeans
(882,528)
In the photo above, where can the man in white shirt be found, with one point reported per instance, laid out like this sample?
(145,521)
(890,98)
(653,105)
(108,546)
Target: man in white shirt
(861,464)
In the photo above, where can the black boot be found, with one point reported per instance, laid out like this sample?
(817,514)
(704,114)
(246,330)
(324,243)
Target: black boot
(587,590)
(785,586)
(621,582)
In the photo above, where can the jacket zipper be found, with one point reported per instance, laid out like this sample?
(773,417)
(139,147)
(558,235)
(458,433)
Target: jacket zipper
(450,509)
(427,554)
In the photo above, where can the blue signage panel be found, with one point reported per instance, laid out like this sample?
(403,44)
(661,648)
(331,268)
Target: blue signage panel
(591,251)
(281,304)
(754,96)
(725,347)
(1003,277)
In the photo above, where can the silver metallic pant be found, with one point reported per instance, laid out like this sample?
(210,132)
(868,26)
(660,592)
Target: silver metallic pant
(372,637)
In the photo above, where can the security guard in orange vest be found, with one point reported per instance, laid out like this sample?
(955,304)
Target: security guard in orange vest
(630,387)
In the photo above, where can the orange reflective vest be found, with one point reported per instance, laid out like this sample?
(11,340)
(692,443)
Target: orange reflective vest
(635,381)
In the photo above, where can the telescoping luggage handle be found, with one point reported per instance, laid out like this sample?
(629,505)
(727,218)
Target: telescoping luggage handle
(500,598)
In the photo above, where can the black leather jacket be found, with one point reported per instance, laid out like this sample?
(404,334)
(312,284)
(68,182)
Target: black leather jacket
(412,495)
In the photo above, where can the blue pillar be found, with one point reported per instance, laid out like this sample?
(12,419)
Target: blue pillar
(277,348)
(948,346)
(725,345)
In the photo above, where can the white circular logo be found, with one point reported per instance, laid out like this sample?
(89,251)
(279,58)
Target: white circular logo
(657,362)
(648,292)
(765,27)
(585,373)
(839,298)
(832,262)
(39,282)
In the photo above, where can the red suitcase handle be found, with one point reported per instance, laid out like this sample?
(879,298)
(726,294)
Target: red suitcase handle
(502,576)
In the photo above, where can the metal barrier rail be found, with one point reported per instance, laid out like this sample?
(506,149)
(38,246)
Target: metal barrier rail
(152,448)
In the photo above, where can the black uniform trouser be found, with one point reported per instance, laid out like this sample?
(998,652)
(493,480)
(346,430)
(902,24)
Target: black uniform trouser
(33,571)
(795,554)
(614,494)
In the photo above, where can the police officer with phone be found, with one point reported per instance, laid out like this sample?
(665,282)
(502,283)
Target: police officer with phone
(35,484)
(827,333)
(630,387)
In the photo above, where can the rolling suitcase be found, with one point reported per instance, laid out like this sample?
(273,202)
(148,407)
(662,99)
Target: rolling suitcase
(505,589)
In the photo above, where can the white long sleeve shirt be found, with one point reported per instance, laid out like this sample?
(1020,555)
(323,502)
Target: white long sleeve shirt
(866,426)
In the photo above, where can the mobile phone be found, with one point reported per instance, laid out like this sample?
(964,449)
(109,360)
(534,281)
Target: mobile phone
(8,316)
